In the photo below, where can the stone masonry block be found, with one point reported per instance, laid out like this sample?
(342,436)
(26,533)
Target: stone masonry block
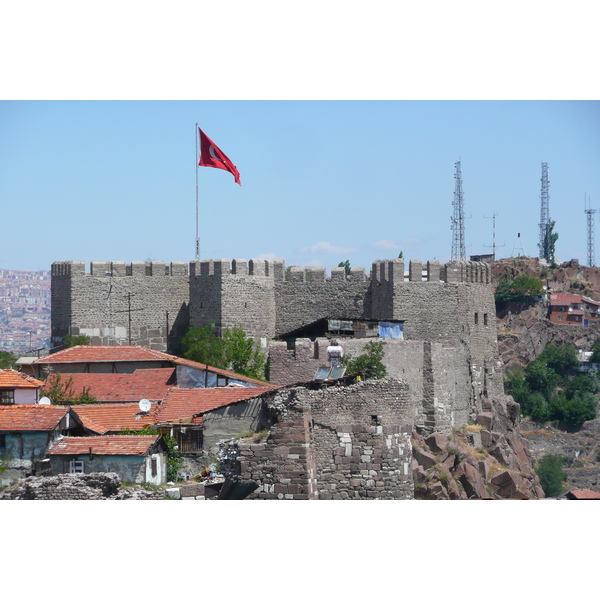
(415,270)
(239,267)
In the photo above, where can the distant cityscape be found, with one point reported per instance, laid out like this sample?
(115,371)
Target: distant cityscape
(24,311)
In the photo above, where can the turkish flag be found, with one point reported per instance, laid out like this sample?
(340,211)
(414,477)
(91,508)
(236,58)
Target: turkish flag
(211,156)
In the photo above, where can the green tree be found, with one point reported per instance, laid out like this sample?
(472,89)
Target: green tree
(346,265)
(549,470)
(369,364)
(8,360)
(76,340)
(234,351)
(62,392)
(200,344)
(561,359)
(522,288)
(243,355)
(595,358)
(549,243)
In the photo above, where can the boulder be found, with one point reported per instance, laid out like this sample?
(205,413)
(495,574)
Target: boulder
(424,458)
(437,442)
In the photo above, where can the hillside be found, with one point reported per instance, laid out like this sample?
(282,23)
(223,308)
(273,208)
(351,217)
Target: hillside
(523,334)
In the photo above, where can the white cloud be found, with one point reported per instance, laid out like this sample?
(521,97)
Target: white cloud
(406,244)
(268,256)
(327,248)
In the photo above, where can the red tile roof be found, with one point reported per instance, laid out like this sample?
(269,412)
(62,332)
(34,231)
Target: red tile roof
(136,445)
(31,417)
(12,379)
(584,494)
(563,299)
(185,403)
(104,418)
(151,384)
(85,354)
(110,354)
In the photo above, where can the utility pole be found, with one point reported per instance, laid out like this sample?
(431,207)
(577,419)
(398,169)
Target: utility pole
(493,217)
(129,310)
(458,218)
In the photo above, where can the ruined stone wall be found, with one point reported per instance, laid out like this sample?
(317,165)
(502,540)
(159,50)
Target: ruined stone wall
(97,303)
(341,442)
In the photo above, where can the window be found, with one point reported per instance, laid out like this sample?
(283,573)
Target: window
(154,464)
(485,319)
(476,318)
(7,396)
(76,466)
(560,318)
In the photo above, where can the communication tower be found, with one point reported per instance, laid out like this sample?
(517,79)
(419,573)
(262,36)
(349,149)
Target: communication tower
(544,213)
(590,235)
(458,219)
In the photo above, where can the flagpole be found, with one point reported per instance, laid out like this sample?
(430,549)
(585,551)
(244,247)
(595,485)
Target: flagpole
(197,161)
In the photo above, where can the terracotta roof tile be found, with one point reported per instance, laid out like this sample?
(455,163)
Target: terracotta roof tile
(185,403)
(79,354)
(104,418)
(584,494)
(31,417)
(151,384)
(561,298)
(92,354)
(137,445)
(12,379)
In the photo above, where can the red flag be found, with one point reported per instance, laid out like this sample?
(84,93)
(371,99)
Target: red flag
(211,156)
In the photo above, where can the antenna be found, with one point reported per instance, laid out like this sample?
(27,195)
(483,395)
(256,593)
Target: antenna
(590,232)
(458,218)
(544,214)
(493,217)
(145,405)
(518,247)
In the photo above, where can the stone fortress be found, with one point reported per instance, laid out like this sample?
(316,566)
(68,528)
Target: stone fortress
(448,354)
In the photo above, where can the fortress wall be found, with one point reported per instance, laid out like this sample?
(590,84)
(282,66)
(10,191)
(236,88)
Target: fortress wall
(97,303)
(240,293)
(309,295)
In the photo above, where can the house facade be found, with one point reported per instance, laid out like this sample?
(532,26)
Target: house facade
(135,458)
(26,432)
(572,309)
(18,388)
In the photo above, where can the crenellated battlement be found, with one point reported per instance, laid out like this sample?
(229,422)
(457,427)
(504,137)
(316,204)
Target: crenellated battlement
(392,271)
(101,268)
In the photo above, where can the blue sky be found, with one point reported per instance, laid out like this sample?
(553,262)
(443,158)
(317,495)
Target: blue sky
(322,181)
(344,124)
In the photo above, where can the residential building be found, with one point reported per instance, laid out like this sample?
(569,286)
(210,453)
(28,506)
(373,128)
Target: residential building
(18,388)
(572,309)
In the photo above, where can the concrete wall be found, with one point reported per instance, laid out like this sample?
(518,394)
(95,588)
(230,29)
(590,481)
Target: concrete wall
(227,422)
(132,469)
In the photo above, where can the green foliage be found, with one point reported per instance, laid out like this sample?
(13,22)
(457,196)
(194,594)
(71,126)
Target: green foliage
(369,364)
(62,392)
(595,358)
(8,360)
(4,460)
(551,391)
(522,288)
(549,470)
(549,243)
(346,265)
(401,255)
(234,351)
(76,340)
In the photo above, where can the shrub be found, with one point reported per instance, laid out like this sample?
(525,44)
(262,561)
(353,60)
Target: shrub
(370,364)
(551,476)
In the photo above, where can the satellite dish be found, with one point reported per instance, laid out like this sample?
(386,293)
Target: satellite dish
(44,401)
(145,405)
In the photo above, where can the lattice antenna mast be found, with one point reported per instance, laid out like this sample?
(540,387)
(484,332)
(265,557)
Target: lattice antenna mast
(544,212)
(458,218)
(590,234)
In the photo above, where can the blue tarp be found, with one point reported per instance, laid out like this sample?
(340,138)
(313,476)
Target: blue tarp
(394,331)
